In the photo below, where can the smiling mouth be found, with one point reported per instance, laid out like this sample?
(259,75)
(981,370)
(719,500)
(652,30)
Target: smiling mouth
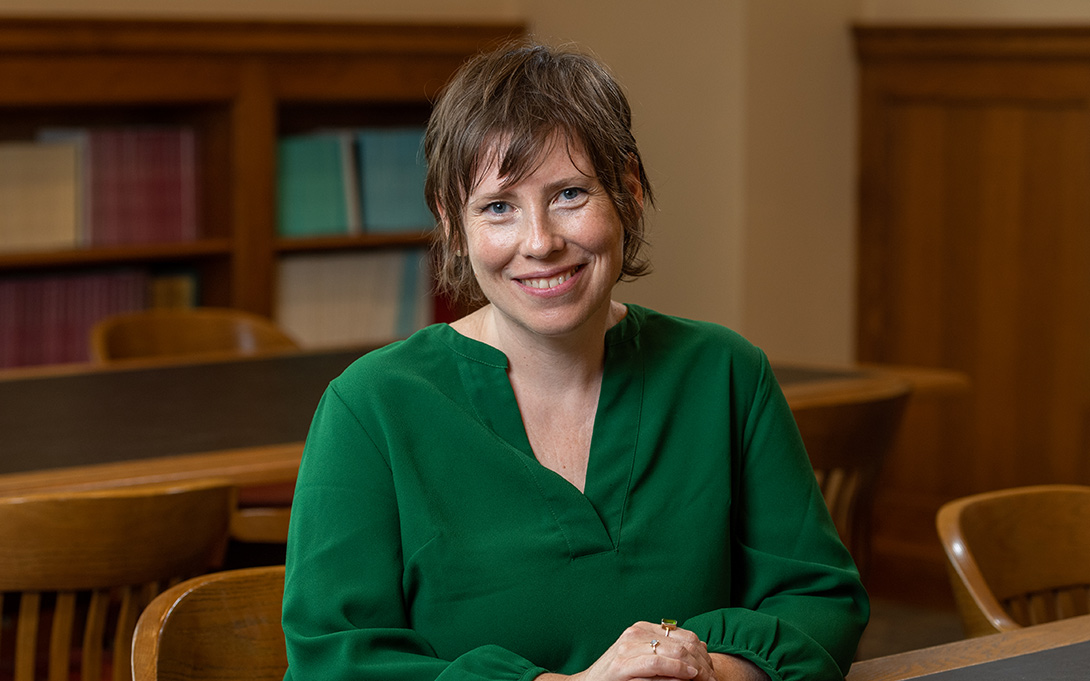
(551,282)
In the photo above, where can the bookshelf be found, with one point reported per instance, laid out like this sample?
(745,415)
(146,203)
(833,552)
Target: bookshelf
(241,86)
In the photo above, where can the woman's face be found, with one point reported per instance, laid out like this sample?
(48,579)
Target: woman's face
(548,249)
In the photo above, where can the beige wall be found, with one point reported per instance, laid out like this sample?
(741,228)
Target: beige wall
(745,113)
(683,71)
(798,297)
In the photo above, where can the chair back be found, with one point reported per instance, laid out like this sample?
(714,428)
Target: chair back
(224,625)
(1018,557)
(176,332)
(82,565)
(848,438)
(261,524)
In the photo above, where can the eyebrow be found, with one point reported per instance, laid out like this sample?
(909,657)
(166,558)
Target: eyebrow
(506,191)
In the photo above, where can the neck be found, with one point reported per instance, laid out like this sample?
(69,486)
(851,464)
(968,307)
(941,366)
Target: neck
(571,358)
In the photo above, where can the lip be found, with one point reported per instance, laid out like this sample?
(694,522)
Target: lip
(560,289)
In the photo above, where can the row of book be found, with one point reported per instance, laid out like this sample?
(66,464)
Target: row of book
(99,187)
(352,181)
(369,297)
(47,319)
(325,300)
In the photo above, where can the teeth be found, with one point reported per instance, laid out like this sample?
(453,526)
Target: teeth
(549,283)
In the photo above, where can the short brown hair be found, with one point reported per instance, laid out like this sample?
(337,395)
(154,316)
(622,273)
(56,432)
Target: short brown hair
(524,94)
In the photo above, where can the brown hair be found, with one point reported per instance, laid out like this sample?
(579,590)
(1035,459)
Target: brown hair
(524,94)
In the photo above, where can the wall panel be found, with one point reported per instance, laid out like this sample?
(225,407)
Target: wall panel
(975,255)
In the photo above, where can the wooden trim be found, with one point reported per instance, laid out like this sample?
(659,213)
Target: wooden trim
(965,653)
(978,42)
(242,467)
(131,36)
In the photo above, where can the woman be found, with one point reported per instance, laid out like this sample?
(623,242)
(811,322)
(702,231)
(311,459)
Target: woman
(558,484)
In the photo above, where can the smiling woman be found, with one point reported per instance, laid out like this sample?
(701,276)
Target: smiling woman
(558,484)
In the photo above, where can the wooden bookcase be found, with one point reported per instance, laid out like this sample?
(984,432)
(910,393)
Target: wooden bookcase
(240,85)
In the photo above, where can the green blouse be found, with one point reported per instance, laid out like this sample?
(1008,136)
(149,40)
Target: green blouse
(427,542)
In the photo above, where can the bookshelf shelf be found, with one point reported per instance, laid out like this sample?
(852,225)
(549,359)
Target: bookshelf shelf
(240,87)
(140,253)
(356,242)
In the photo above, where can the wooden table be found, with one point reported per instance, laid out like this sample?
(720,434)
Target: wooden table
(1057,651)
(93,426)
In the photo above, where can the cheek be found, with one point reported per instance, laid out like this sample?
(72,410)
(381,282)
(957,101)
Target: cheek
(606,238)
(489,250)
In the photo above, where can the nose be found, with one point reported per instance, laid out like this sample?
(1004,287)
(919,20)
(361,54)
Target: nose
(543,236)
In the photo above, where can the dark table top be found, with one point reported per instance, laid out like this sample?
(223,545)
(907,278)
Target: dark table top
(1066,663)
(126,413)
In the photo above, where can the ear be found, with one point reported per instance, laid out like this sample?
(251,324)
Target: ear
(448,234)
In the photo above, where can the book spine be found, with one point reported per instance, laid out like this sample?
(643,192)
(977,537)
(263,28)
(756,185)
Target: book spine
(392,174)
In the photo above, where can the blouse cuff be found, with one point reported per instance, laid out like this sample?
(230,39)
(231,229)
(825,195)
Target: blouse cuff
(781,650)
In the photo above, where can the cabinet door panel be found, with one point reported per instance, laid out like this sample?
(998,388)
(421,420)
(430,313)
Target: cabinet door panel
(975,255)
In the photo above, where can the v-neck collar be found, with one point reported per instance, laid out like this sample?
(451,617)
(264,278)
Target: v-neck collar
(592,520)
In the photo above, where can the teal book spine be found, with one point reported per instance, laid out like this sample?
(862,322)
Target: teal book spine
(311,195)
(392,173)
(413,293)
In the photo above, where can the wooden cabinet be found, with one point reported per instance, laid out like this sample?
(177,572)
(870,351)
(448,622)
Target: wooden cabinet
(974,254)
(241,86)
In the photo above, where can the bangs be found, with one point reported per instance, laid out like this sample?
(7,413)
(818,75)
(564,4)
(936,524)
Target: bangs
(517,155)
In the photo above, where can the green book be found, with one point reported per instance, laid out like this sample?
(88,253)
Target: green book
(316,185)
(392,173)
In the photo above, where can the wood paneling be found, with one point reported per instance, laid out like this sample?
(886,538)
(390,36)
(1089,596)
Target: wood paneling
(974,255)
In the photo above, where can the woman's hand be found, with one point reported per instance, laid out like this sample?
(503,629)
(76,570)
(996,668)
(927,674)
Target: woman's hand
(681,655)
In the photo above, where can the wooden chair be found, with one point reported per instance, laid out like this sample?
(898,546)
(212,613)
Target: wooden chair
(224,625)
(848,438)
(1018,557)
(178,332)
(84,565)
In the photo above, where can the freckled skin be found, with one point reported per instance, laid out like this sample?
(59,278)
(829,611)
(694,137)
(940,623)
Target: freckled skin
(555,224)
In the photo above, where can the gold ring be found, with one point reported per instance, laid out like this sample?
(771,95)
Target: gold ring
(669,625)
(654,644)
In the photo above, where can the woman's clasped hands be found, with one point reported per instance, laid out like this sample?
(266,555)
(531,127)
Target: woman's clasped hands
(651,651)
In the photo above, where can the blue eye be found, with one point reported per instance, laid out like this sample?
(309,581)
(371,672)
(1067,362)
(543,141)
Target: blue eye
(571,193)
(497,208)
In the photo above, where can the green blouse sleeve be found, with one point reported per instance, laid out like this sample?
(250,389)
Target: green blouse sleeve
(344,616)
(800,607)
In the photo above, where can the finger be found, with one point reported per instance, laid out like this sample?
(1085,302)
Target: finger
(695,656)
(653,666)
(682,635)
(695,650)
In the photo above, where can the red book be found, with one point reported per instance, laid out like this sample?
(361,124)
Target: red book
(142,185)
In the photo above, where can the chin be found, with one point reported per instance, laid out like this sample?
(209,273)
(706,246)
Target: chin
(562,324)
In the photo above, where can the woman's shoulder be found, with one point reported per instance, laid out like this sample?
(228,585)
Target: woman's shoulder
(701,353)
(681,335)
(403,359)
